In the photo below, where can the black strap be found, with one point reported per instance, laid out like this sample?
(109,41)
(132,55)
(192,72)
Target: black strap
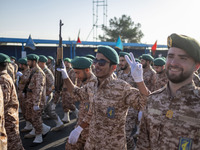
(28,82)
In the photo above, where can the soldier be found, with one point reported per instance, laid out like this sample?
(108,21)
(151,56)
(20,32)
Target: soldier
(36,99)
(148,72)
(82,69)
(51,64)
(49,110)
(172,117)
(3,135)
(24,76)
(131,118)
(67,101)
(159,67)
(109,99)
(92,58)
(11,106)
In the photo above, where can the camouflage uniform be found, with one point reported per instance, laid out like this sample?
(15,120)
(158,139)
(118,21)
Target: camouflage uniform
(11,106)
(15,70)
(132,116)
(83,110)
(161,80)
(22,82)
(11,71)
(150,78)
(109,103)
(49,88)
(67,101)
(51,67)
(170,123)
(36,96)
(3,135)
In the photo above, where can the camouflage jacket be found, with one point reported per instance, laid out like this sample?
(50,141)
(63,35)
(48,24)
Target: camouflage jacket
(11,106)
(171,123)
(49,80)
(109,103)
(3,135)
(150,78)
(36,95)
(161,81)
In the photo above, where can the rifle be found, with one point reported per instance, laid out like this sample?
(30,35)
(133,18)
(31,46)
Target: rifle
(59,57)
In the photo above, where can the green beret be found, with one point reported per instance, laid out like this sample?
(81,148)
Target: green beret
(4,58)
(109,53)
(68,60)
(90,56)
(43,58)
(81,63)
(50,57)
(159,62)
(12,57)
(147,57)
(23,61)
(188,44)
(122,54)
(137,60)
(32,57)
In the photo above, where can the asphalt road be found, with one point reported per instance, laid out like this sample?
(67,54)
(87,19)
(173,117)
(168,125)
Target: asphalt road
(53,140)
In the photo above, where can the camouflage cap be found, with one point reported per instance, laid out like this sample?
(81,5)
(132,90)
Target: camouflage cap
(81,63)
(67,59)
(4,58)
(188,44)
(12,57)
(22,61)
(109,53)
(147,57)
(43,58)
(122,54)
(50,57)
(32,57)
(159,62)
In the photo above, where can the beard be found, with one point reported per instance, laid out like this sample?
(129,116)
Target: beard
(124,68)
(174,78)
(145,65)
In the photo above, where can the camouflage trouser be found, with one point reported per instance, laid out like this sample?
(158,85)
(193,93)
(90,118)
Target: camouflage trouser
(23,107)
(35,117)
(67,102)
(130,127)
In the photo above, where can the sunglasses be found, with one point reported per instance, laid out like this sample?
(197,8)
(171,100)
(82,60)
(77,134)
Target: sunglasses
(101,62)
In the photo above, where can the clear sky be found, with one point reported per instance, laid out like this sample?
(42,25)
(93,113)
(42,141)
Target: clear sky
(40,18)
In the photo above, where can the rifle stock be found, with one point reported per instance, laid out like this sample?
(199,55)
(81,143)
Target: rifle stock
(59,58)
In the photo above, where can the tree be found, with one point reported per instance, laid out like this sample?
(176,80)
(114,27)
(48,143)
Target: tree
(125,27)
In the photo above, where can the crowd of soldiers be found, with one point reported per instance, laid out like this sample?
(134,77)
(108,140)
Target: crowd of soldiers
(124,102)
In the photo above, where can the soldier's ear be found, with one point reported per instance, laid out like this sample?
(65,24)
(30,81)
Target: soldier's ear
(87,70)
(114,67)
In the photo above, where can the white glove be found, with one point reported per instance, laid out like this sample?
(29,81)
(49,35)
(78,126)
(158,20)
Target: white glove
(74,135)
(53,106)
(19,73)
(36,108)
(139,115)
(136,68)
(64,71)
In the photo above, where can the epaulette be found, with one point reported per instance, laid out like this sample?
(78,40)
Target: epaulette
(159,90)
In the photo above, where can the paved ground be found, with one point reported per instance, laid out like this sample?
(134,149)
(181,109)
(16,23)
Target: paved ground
(54,140)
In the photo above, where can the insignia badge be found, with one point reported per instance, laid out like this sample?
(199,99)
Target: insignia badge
(111,112)
(185,144)
(169,41)
(169,114)
(87,106)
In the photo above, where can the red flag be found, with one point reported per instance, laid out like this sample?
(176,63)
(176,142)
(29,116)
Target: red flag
(78,40)
(153,48)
